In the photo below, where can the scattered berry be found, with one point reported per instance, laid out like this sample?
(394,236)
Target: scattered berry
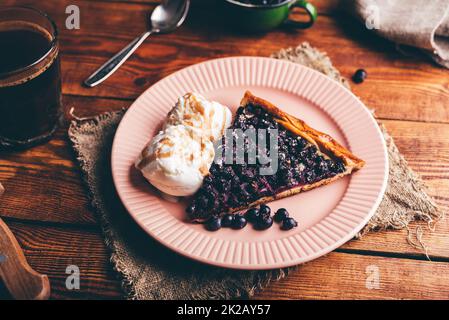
(239,222)
(264,224)
(281,215)
(359,76)
(288,224)
(252,214)
(213,224)
(227,220)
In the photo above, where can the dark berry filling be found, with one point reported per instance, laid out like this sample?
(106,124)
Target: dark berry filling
(235,185)
(264,222)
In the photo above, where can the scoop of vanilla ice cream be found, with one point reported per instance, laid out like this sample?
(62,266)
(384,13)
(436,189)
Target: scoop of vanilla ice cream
(208,118)
(176,160)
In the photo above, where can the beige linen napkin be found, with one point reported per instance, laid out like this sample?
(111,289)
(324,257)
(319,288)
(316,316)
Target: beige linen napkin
(422,24)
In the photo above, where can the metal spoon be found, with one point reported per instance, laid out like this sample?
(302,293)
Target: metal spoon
(165,18)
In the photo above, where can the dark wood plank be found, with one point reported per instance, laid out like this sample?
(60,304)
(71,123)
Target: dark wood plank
(345,276)
(336,276)
(50,250)
(44,183)
(398,87)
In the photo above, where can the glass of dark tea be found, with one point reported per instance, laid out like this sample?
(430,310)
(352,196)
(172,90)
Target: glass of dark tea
(30,77)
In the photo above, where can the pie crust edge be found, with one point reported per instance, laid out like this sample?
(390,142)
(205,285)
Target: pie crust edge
(325,144)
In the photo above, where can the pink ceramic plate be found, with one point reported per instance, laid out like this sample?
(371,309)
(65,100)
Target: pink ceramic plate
(328,216)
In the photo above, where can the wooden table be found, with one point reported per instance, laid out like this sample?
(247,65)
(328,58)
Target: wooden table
(45,203)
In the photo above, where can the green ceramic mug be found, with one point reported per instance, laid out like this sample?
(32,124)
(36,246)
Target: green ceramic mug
(256,17)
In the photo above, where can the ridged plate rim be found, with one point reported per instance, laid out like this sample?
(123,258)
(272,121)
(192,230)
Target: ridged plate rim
(341,225)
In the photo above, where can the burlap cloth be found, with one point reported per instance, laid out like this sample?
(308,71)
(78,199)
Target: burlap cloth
(415,23)
(150,271)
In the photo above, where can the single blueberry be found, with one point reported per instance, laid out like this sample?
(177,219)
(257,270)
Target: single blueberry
(288,224)
(227,220)
(252,214)
(213,224)
(264,224)
(359,76)
(239,222)
(281,215)
(264,210)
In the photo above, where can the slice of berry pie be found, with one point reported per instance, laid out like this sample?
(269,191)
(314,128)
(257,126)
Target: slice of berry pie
(306,159)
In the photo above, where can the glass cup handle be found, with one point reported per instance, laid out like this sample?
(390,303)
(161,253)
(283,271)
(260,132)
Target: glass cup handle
(309,8)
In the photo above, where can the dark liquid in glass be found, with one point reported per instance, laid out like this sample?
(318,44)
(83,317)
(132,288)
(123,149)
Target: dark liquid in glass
(30,100)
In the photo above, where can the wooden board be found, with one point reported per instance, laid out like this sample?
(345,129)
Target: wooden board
(335,276)
(107,27)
